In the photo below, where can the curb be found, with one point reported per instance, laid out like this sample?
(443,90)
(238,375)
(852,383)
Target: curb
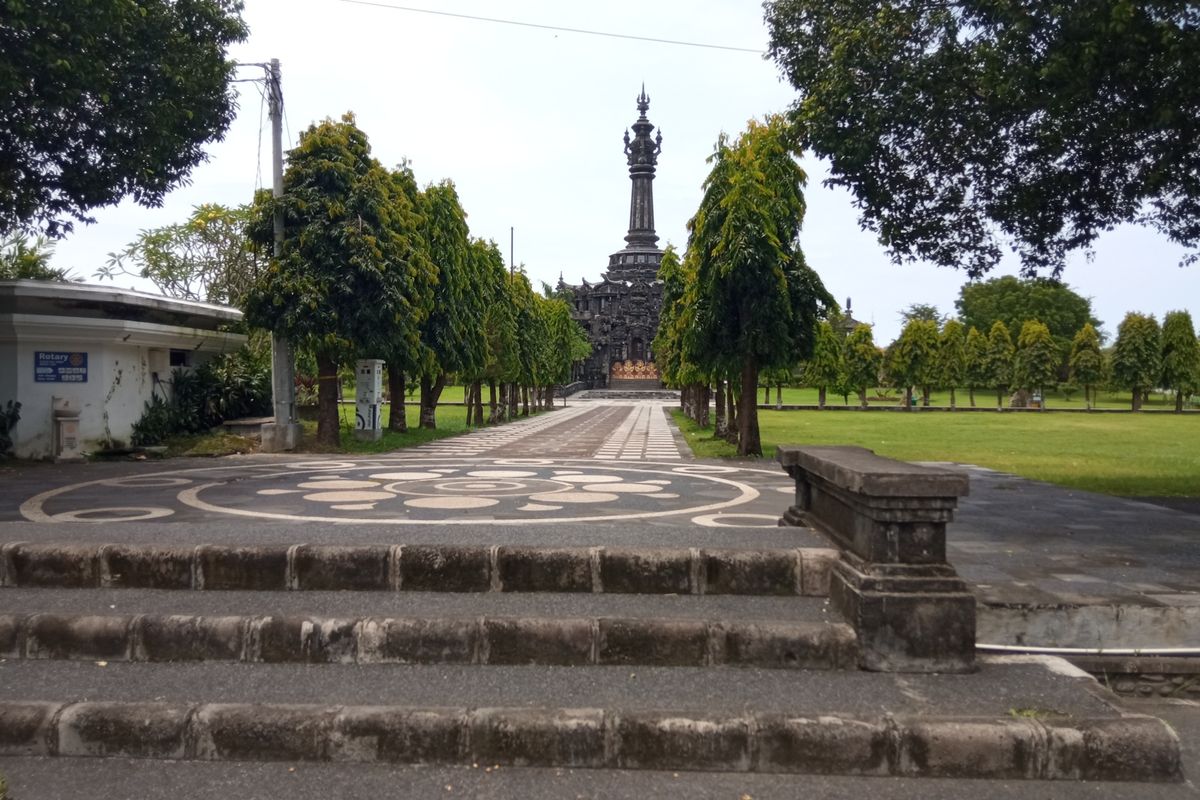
(416,567)
(1134,748)
(479,641)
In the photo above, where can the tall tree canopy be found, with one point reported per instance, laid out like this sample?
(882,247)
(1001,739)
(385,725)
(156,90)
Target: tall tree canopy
(343,282)
(962,126)
(913,359)
(823,368)
(1180,356)
(1014,301)
(757,302)
(106,99)
(860,361)
(1037,358)
(998,360)
(206,258)
(1087,362)
(1136,356)
(952,357)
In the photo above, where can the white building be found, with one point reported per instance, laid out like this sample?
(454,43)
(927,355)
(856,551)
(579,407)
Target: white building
(104,351)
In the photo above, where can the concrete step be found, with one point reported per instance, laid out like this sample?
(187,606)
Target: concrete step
(421,567)
(1016,720)
(728,607)
(486,640)
(32,777)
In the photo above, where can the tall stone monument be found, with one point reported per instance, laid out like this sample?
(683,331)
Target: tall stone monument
(620,313)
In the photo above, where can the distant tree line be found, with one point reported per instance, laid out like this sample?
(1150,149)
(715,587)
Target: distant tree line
(978,351)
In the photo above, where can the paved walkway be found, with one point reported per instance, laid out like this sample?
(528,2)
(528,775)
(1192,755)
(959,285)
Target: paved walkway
(591,469)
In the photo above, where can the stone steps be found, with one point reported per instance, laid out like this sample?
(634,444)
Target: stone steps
(598,717)
(424,640)
(420,567)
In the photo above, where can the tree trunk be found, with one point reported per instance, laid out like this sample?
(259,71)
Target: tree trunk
(431,390)
(908,398)
(702,414)
(524,401)
(397,421)
(491,401)
(766,395)
(722,418)
(477,410)
(1042,392)
(731,411)
(953,405)
(329,429)
(1178,402)
(971,394)
(925,392)
(820,397)
(1137,400)
(778,396)
(999,397)
(862,398)
(749,442)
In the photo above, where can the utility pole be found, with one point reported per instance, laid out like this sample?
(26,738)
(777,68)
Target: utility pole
(284,432)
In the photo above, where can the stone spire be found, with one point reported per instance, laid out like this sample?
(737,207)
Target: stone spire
(642,153)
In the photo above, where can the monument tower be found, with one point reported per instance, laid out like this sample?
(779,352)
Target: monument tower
(620,313)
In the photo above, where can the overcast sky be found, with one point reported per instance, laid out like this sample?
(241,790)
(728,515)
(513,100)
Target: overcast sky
(528,124)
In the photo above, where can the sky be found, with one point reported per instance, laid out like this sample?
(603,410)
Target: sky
(528,123)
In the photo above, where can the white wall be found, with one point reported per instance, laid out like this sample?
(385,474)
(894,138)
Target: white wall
(118,386)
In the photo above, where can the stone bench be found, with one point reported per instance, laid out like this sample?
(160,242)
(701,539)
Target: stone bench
(892,582)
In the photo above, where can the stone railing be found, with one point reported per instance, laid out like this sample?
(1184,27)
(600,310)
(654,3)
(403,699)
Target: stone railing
(888,518)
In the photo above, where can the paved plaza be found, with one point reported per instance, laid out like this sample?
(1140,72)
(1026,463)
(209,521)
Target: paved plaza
(597,475)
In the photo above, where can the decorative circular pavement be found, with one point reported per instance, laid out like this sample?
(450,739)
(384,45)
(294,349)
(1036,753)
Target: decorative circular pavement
(414,491)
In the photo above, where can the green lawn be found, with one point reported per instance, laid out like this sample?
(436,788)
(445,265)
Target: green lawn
(1119,454)
(984,398)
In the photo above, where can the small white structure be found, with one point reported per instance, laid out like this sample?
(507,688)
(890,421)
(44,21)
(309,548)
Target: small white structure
(98,352)
(368,425)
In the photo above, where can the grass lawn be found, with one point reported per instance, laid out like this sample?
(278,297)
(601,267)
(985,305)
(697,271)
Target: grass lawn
(984,398)
(451,421)
(1118,454)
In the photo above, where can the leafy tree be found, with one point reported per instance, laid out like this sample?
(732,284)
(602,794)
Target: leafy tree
(914,359)
(678,287)
(922,311)
(976,373)
(952,357)
(998,360)
(825,364)
(1180,356)
(105,100)
(757,302)
(1087,362)
(452,340)
(1137,356)
(1037,358)
(860,361)
(207,258)
(342,245)
(25,259)
(501,353)
(1013,301)
(957,125)
(403,349)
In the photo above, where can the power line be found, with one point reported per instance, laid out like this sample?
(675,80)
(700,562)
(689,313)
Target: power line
(584,31)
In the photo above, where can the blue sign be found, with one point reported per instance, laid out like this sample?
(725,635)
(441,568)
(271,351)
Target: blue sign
(59,367)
